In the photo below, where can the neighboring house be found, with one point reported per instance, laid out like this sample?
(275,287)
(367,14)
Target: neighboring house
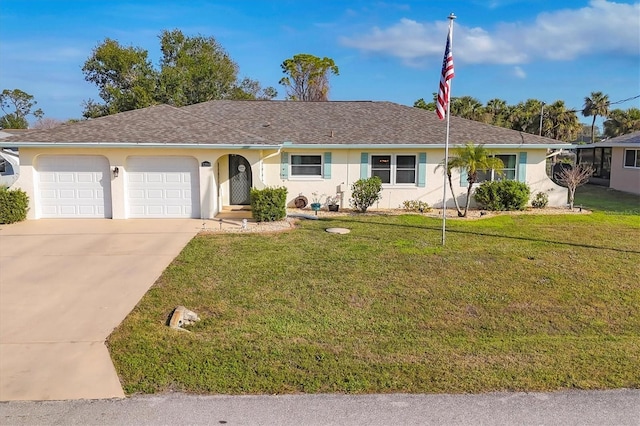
(9,163)
(616,162)
(193,161)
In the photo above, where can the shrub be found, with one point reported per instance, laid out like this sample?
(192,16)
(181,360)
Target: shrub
(365,192)
(415,206)
(269,204)
(503,195)
(540,201)
(13,205)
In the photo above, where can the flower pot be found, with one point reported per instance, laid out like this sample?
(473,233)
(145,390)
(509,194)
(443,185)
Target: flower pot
(333,207)
(315,206)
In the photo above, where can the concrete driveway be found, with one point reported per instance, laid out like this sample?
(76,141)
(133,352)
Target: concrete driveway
(64,286)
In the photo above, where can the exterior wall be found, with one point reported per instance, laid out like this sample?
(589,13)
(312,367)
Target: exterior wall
(266,165)
(623,178)
(346,169)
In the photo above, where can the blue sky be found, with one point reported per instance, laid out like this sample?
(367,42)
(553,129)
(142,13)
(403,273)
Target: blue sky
(386,50)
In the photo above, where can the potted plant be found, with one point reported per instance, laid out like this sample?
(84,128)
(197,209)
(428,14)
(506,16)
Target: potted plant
(315,203)
(333,203)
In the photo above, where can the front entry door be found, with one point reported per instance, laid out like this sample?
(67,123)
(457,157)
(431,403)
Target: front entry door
(239,180)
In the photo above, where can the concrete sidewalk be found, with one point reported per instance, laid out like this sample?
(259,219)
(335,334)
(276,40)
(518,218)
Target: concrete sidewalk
(64,286)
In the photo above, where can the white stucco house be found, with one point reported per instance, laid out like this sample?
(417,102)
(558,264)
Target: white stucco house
(616,162)
(194,161)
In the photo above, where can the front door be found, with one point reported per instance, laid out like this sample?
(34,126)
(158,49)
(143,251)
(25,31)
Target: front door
(239,180)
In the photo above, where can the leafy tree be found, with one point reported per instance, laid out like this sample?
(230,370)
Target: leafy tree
(595,105)
(420,103)
(125,78)
(573,177)
(17,106)
(450,165)
(307,77)
(497,112)
(525,116)
(192,70)
(473,159)
(621,122)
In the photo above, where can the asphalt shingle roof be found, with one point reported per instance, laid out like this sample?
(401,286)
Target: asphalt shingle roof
(277,122)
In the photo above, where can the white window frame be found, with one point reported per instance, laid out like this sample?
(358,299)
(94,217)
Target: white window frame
(493,176)
(292,175)
(393,168)
(637,159)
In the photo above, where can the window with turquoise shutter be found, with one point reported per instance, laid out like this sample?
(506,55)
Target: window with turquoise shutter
(364,165)
(422,169)
(327,165)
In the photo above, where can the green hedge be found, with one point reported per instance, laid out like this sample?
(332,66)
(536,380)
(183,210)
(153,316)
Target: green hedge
(14,204)
(269,204)
(503,195)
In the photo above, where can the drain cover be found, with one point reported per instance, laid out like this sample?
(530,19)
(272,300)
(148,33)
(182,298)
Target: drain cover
(338,230)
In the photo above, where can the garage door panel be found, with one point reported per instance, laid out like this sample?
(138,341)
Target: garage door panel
(74,186)
(162,187)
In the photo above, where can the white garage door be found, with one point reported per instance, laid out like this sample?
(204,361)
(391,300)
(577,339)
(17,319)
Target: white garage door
(159,187)
(74,186)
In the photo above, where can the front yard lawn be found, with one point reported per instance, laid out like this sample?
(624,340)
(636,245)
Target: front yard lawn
(510,303)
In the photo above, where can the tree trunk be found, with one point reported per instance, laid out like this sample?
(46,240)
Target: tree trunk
(466,207)
(455,199)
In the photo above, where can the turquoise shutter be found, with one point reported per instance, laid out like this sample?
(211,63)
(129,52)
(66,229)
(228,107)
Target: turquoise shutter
(284,165)
(522,167)
(463,178)
(364,165)
(327,165)
(422,169)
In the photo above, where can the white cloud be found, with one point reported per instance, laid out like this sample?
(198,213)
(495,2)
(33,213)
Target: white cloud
(601,27)
(519,72)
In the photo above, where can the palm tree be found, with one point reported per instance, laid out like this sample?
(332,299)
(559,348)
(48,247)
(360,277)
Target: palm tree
(620,122)
(450,166)
(595,105)
(560,123)
(473,159)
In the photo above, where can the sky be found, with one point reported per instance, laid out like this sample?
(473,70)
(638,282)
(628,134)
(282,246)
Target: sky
(385,50)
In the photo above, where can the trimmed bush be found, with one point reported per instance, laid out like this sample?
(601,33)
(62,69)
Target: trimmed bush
(503,195)
(14,204)
(269,204)
(365,192)
(540,201)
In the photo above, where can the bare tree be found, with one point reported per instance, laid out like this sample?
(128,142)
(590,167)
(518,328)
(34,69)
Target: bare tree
(46,123)
(574,177)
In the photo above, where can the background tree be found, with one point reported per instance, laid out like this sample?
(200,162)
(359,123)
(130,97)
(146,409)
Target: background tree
(473,159)
(46,123)
(192,70)
(497,112)
(125,78)
(467,107)
(307,77)
(574,177)
(17,106)
(420,103)
(560,123)
(595,105)
(621,122)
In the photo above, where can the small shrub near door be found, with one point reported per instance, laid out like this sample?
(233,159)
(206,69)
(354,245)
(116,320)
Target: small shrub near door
(540,201)
(415,206)
(14,204)
(269,204)
(503,195)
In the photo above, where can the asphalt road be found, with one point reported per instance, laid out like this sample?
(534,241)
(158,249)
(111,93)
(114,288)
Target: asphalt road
(615,407)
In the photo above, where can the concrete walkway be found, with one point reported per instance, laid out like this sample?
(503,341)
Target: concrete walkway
(64,286)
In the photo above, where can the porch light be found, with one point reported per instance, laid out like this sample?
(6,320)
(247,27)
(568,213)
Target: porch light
(116,171)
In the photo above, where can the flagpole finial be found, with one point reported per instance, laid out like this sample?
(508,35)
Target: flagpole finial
(452,16)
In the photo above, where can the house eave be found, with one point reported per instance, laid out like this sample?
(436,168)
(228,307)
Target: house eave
(421,146)
(129,145)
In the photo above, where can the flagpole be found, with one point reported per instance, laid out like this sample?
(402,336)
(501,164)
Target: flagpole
(446,142)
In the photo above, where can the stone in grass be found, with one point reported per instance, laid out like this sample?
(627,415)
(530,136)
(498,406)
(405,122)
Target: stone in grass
(338,230)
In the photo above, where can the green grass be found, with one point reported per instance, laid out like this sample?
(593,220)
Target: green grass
(510,303)
(594,197)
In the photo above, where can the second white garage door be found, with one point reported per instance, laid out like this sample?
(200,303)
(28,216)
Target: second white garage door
(163,187)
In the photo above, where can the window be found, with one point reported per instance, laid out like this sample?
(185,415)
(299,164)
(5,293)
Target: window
(632,158)
(306,165)
(3,167)
(394,169)
(508,171)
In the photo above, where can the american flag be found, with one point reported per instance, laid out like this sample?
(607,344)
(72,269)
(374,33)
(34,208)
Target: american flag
(447,74)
